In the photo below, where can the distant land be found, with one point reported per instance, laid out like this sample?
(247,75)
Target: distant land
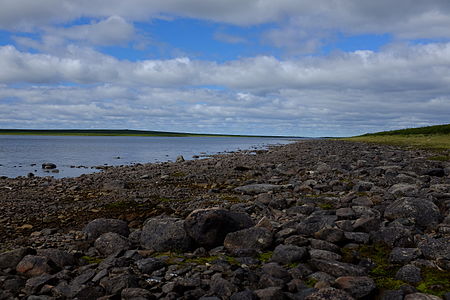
(121,132)
(436,138)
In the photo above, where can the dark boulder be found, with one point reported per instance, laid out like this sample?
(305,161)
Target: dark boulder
(256,238)
(110,242)
(422,211)
(165,234)
(97,227)
(208,227)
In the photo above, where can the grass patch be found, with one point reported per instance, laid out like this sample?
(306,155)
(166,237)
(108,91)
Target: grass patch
(326,206)
(178,174)
(311,282)
(265,256)
(434,282)
(91,260)
(438,142)
(440,157)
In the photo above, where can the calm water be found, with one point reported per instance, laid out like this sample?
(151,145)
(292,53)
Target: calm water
(20,155)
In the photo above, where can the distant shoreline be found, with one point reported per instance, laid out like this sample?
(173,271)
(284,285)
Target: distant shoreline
(125,132)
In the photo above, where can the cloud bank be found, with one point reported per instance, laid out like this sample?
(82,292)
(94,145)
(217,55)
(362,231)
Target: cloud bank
(56,75)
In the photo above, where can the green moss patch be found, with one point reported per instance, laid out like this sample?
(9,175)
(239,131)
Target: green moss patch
(91,260)
(434,282)
(265,257)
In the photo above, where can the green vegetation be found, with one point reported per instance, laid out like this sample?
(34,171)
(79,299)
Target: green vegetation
(435,138)
(265,257)
(434,282)
(429,130)
(91,260)
(124,132)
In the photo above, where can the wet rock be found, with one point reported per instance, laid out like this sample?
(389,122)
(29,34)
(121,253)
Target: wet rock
(409,273)
(165,234)
(110,242)
(337,269)
(100,226)
(288,254)
(208,227)
(10,259)
(32,265)
(48,166)
(422,211)
(357,287)
(256,238)
(329,294)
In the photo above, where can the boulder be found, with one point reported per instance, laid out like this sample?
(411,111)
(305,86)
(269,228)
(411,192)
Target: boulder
(288,254)
(421,296)
(110,243)
(136,294)
(33,265)
(48,166)
(208,227)
(270,293)
(10,259)
(329,294)
(435,248)
(165,234)
(253,189)
(422,211)
(337,269)
(315,223)
(59,257)
(409,273)
(403,255)
(100,226)
(149,265)
(403,189)
(256,238)
(357,287)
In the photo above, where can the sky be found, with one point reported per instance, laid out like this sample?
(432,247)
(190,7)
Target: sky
(262,67)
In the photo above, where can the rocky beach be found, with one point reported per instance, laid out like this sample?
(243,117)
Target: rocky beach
(316,219)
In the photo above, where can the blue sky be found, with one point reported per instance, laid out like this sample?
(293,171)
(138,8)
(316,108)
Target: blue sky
(283,67)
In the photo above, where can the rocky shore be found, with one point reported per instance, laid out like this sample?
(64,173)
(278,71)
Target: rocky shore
(317,219)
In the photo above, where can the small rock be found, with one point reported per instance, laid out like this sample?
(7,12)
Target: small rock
(421,296)
(180,159)
(221,287)
(437,172)
(149,265)
(136,294)
(403,189)
(324,254)
(48,166)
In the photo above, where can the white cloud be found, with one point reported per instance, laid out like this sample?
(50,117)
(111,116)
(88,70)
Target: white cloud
(228,38)
(111,31)
(346,93)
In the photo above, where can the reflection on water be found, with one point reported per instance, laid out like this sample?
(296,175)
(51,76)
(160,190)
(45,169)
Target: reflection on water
(75,155)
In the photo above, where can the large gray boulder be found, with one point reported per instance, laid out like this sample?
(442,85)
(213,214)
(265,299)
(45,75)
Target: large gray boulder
(97,227)
(255,238)
(208,227)
(422,211)
(110,243)
(165,234)
(10,259)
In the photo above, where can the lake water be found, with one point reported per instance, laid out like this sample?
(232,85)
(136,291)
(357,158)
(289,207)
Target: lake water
(21,154)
